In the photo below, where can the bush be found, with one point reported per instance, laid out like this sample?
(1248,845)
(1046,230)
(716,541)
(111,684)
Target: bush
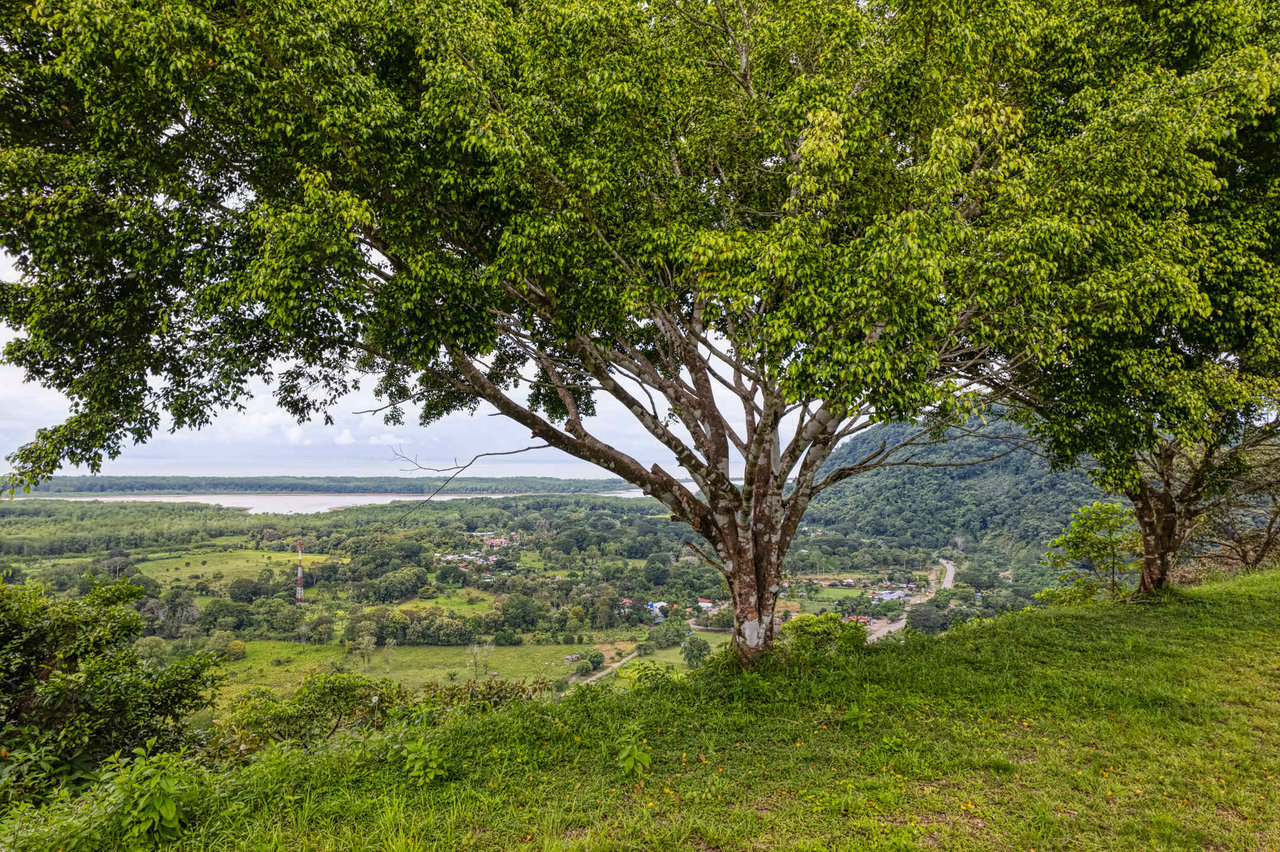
(810,637)
(236,650)
(596,659)
(695,651)
(322,705)
(507,637)
(584,668)
(76,690)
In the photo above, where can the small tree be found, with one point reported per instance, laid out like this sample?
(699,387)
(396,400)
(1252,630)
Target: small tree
(1101,543)
(363,646)
(695,651)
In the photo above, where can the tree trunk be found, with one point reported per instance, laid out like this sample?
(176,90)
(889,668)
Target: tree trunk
(1158,521)
(753,607)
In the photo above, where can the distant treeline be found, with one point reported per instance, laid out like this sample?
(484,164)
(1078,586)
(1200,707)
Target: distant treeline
(323,484)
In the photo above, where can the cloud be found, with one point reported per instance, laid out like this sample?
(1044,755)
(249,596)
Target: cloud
(263,440)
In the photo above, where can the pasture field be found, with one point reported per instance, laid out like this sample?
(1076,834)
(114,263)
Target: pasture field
(231,564)
(282,665)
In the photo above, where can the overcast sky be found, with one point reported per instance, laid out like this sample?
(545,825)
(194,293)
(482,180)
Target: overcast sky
(265,441)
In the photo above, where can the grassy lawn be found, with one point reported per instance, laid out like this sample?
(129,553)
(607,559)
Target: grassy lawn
(827,599)
(412,665)
(1152,726)
(470,602)
(233,564)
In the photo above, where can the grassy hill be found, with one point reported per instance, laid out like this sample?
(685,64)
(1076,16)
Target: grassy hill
(1113,726)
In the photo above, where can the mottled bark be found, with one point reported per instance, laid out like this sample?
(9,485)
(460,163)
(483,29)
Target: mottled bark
(1165,527)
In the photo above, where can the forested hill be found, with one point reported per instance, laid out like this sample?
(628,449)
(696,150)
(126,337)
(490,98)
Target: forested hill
(324,485)
(1015,503)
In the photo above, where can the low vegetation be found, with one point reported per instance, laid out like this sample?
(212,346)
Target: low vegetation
(1100,726)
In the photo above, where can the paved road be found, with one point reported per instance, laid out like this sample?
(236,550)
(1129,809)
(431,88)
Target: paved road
(948,580)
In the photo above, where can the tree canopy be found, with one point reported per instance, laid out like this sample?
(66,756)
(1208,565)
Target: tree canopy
(756,228)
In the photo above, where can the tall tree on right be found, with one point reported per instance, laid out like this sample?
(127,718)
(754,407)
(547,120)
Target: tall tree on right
(1178,402)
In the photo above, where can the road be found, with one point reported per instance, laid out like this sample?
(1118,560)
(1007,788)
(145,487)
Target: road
(883,630)
(608,669)
(950,579)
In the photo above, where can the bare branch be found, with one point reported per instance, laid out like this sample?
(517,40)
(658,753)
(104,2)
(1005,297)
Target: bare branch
(455,471)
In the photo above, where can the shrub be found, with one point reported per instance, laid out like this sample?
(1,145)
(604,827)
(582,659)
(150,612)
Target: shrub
(507,637)
(76,690)
(583,668)
(323,705)
(814,636)
(695,651)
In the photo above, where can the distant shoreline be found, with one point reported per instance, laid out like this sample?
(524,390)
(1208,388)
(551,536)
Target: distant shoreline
(88,486)
(300,502)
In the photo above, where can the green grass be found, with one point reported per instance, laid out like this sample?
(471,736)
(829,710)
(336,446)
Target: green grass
(470,602)
(827,598)
(233,564)
(412,665)
(1149,726)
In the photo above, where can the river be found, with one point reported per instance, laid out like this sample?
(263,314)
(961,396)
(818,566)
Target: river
(301,503)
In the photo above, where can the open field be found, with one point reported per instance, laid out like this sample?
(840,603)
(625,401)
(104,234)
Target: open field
(412,665)
(828,599)
(468,602)
(232,564)
(1153,727)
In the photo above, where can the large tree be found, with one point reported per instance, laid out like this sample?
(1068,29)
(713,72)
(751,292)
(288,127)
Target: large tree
(1215,489)
(756,227)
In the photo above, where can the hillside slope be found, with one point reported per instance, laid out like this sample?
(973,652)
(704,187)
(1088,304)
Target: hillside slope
(1010,507)
(1153,726)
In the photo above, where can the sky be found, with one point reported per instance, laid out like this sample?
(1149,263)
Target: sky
(265,441)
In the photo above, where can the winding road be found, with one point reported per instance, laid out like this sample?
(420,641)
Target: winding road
(948,580)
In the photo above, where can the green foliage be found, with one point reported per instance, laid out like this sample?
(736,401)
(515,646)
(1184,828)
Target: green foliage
(423,761)
(507,637)
(437,700)
(156,806)
(634,760)
(813,638)
(323,705)
(1096,551)
(76,689)
(141,801)
(695,651)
